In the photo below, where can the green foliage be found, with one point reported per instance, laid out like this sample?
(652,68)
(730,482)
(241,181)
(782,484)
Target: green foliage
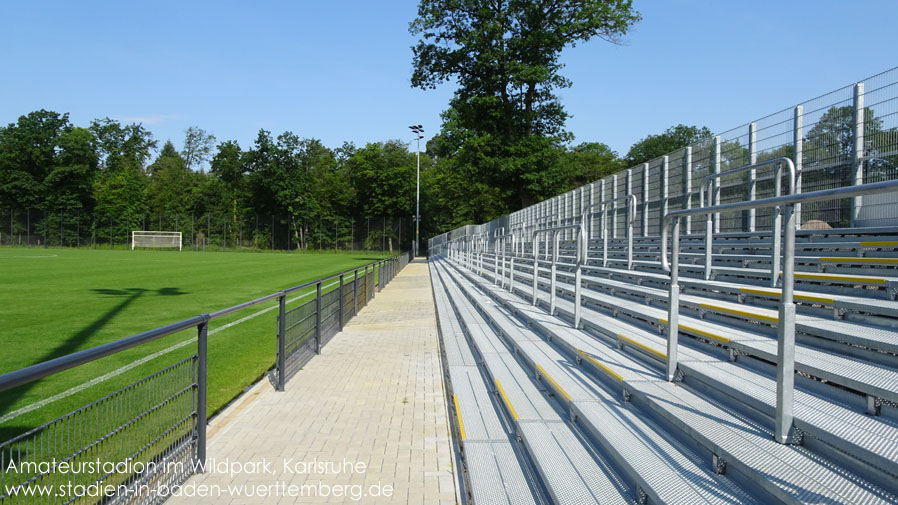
(673,138)
(501,145)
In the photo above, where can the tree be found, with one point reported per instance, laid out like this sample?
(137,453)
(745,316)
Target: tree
(227,166)
(673,138)
(198,145)
(169,182)
(28,153)
(589,162)
(505,126)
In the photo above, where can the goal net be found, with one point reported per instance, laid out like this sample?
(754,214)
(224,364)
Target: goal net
(155,239)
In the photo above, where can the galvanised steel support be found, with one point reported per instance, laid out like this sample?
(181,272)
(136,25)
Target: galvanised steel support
(665,183)
(318,318)
(355,294)
(785,337)
(797,146)
(614,209)
(645,199)
(202,338)
(342,300)
(673,303)
(753,173)
(786,323)
(716,167)
(857,151)
(282,337)
(687,167)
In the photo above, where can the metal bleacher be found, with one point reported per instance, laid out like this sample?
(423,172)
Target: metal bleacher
(558,364)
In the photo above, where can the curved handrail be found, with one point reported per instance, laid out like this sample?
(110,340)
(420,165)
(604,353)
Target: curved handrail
(786,320)
(580,261)
(632,202)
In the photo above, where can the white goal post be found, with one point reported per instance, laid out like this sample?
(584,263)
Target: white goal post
(155,239)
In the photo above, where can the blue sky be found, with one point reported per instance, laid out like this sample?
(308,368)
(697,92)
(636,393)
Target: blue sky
(340,70)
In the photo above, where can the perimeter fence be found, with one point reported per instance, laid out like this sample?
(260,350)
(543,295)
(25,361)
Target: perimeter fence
(843,138)
(206,232)
(138,444)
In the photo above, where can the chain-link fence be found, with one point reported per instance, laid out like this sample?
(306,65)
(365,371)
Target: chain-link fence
(35,227)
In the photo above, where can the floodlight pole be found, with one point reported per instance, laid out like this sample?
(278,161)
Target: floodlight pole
(417,130)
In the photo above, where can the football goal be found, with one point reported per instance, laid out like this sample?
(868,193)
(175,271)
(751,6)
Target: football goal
(155,239)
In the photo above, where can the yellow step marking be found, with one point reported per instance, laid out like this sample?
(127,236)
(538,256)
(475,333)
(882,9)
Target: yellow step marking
(777,294)
(703,333)
(843,278)
(554,384)
(514,415)
(886,242)
(600,366)
(889,261)
(642,346)
(461,425)
(761,317)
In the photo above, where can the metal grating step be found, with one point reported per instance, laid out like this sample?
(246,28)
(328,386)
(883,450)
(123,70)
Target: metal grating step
(495,474)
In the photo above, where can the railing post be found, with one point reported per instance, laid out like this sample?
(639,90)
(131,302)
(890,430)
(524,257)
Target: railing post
(552,284)
(318,318)
(785,366)
(355,294)
(202,337)
(753,173)
(857,176)
(341,302)
(709,230)
(282,337)
(798,154)
(673,302)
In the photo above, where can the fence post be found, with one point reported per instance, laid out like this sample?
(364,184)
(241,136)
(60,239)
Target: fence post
(785,366)
(716,182)
(645,200)
(798,154)
(857,176)
(687,162)
(282,337)
(753,173)
(342,300)
(202,335)
(318,318)
(673,297)
(665,192)
(355,294)
(613,206)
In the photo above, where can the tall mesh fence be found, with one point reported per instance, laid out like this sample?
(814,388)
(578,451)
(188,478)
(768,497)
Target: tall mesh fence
(846,137)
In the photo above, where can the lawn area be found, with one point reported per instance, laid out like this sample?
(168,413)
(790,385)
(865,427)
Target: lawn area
(57,301)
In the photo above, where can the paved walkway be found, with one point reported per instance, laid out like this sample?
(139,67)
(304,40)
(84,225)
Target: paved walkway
(369,413)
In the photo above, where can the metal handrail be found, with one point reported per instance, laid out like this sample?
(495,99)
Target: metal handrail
(786,321)
(777,218)
(580,261)
(632,202)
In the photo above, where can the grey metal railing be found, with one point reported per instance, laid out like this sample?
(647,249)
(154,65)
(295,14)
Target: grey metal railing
(154,429)
(785,366)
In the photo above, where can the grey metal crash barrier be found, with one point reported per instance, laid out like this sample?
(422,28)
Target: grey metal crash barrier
(631,216)
(160,417)
(785,366)
(580,256)
(707,184)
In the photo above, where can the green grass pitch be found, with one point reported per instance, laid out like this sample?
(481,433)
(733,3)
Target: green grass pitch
(57,301)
